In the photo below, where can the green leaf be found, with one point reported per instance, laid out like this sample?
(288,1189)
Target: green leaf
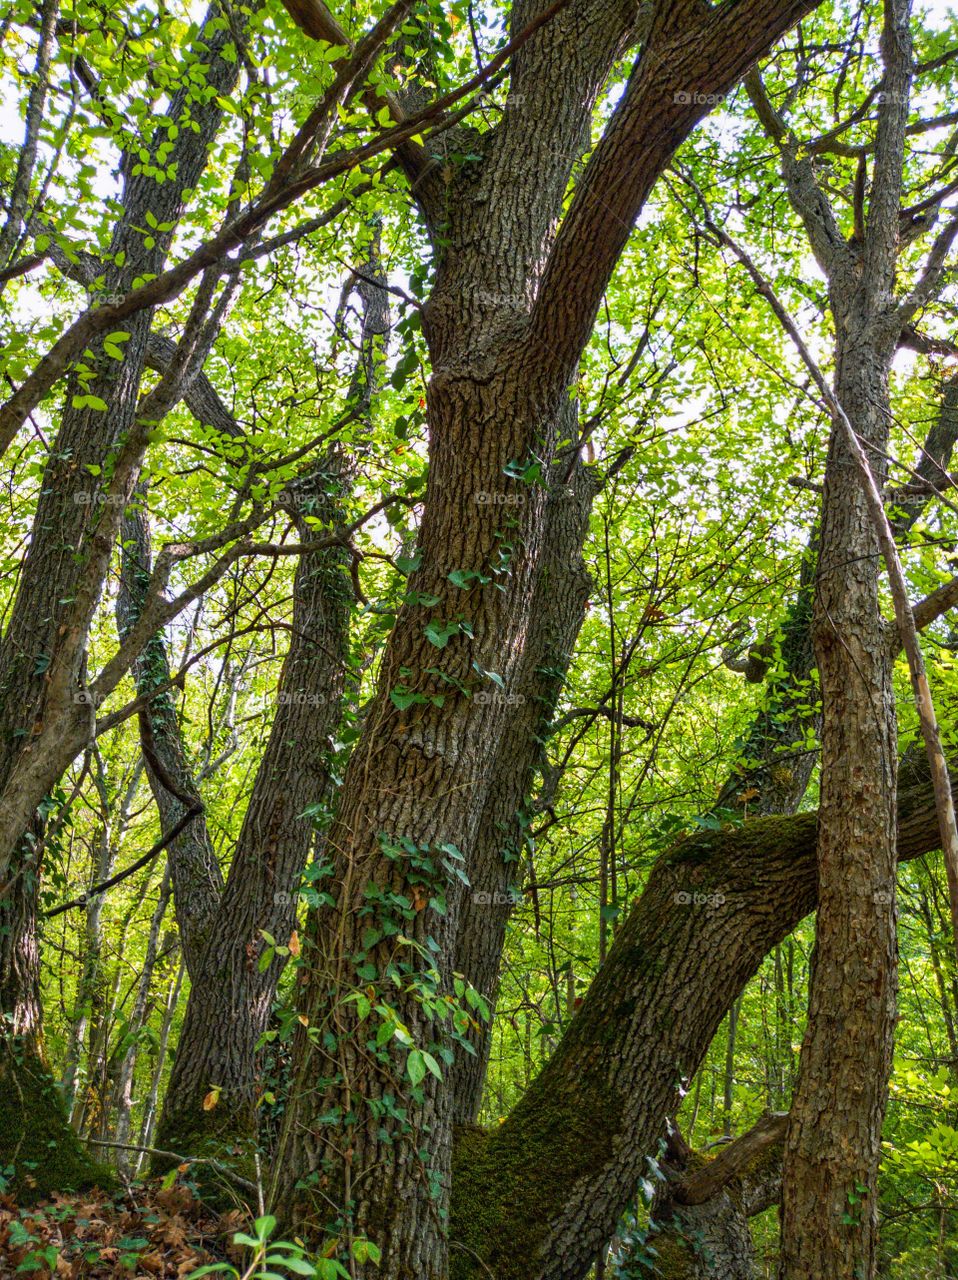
(416,1066)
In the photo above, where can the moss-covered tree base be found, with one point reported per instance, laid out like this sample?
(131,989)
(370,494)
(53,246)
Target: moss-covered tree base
(220,1145)
(39,1152)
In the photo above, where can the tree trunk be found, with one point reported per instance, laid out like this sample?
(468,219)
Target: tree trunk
(42,649)
(830,1217)
(535,1198)
(496,868)
(512,308)
(148,1120)
(123,1093)
(701,1221)
(830,1182)
(231,996)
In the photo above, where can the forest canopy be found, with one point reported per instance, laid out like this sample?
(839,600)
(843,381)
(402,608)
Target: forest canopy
(478,695)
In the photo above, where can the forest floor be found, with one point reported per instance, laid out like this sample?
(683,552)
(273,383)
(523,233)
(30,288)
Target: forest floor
(147,1232)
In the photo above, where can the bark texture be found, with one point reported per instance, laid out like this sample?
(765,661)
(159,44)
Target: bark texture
(231,997)
(703,1216)
(537,1197)
(512,308)
(43,721)
(829,1197)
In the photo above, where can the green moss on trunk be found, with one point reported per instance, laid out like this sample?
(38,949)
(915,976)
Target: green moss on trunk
(222,1141)
(36,1140)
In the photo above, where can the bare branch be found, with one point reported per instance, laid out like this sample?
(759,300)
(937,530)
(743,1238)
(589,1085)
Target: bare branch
(708,1180)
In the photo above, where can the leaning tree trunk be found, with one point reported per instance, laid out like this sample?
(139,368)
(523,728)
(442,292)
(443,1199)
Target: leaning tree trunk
(231,994)
(39,733)
(536,1197)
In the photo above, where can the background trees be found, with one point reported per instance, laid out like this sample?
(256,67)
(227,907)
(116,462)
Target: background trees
(471,618)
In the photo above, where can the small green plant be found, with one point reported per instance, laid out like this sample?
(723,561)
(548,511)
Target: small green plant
(269,1254)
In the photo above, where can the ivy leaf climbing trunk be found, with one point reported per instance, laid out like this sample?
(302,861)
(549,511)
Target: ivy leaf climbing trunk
(368,1128)
(44,720)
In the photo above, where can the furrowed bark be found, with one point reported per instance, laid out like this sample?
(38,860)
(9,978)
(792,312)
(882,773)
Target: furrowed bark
(64,538)
(703,1215)
(230,997)
(536,1197)
(496,869)
(419,779)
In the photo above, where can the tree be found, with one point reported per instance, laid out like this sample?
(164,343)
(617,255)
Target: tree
(521,738)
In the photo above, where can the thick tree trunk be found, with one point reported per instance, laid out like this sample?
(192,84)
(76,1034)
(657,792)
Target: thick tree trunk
(412,795)
(510,313)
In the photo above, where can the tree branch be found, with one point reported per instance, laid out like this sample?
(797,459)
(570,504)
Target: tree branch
(693,55)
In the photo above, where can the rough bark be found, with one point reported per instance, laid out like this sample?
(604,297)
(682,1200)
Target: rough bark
(535,1198)
(829,1228)
(195,872)
(498,860)
(231,997)
(702,1218)
(42,725)
(829,1196)
(506,323)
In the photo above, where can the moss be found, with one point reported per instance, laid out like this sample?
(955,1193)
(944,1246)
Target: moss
(35,1136)
(223,1144)
(508,1181)
(675,1258)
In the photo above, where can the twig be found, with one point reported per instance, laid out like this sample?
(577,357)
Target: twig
(172,1155)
